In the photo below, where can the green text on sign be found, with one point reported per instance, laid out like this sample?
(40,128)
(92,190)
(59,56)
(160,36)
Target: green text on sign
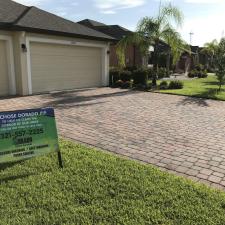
(27,133)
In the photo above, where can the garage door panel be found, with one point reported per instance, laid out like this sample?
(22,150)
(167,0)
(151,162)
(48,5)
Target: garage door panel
(58,67)
(62,50)
(4,81)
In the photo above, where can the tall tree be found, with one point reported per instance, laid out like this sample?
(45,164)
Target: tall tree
(209,50)
(220,63)
(151,31)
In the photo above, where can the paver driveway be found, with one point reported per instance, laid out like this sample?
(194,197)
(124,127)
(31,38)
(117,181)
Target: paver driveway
(181,134)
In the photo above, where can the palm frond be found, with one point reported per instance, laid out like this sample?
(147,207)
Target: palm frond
(171,13)
(135,38)
(148,26)
(175,41)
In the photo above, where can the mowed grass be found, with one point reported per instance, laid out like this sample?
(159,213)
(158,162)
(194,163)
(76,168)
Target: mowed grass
(202,88)
(100,188)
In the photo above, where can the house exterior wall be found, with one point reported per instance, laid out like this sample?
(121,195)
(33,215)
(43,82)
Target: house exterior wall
(4,86)
(19,59)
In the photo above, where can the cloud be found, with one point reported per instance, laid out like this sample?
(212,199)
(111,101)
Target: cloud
(112,6)
(204,1)
(30,2)
(205,29)
(109,12)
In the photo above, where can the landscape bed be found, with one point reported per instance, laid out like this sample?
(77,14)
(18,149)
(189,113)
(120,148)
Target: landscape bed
(202,88)
(99,188)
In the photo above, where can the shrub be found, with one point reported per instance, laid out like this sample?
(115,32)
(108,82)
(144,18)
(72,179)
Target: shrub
(163,85)
(192,74)
(176,84)
(198,74)
(125,75)
(162,73)
(150,72)
(118,83)
(140,87)
(131,68)
(114,75)
(140,76)
(149,85)
(127,84)
(199,67)
(204,74)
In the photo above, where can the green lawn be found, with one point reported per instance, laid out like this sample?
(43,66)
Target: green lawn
(100,188)
(204,88)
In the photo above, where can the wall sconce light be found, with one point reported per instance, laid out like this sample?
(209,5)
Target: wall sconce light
(24,47)
(108,52)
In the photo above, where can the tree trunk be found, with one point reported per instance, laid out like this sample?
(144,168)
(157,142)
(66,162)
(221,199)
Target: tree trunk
(155,64)
(168,63)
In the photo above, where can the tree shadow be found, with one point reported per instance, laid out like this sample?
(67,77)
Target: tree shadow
(216,83)
(201,98)
(76,99)
(193,101)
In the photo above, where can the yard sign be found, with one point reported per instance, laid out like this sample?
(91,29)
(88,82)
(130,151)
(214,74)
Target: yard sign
(28,133)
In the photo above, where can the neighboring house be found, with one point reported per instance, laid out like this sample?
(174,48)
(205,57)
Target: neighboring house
(188,60)
(41,52)
(132,56)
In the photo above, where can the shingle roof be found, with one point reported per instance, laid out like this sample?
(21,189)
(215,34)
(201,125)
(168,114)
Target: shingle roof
(18,17)
(92,23)
(114,31)
(10,11)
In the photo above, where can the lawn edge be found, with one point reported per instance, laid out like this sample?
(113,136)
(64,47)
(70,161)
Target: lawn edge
(200,183)
(190,96)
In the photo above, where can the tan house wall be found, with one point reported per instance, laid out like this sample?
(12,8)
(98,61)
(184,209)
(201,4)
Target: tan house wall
(21,59)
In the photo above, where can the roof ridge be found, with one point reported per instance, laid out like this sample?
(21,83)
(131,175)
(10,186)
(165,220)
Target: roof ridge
(22,14)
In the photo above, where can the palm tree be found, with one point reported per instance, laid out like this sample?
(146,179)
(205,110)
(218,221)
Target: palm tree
(209,50)
(151,31)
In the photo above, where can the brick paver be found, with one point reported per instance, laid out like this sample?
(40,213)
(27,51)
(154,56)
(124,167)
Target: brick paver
(181,134)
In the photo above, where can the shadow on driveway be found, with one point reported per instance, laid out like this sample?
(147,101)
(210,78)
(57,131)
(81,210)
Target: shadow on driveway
(76,99)
(193,101)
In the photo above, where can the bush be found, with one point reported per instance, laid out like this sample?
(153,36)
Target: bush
(162,73)
(192,74)
(199,67)
(150,72)
(127,84)
(140,87)
(118,83)
(149,85)
(140,76)
(176,84)
(131,68)
(125,75)
(114,76)
(204,74)
(198,74)
(163,85)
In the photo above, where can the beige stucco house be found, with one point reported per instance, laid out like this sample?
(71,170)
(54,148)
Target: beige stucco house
(41,52)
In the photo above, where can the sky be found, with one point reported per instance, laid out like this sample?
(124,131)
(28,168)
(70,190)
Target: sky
(204,18)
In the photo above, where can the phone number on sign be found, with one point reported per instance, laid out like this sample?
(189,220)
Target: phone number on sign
(22,133)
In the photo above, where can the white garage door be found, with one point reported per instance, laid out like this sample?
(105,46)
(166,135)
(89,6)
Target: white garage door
(4,80)
(60,67)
